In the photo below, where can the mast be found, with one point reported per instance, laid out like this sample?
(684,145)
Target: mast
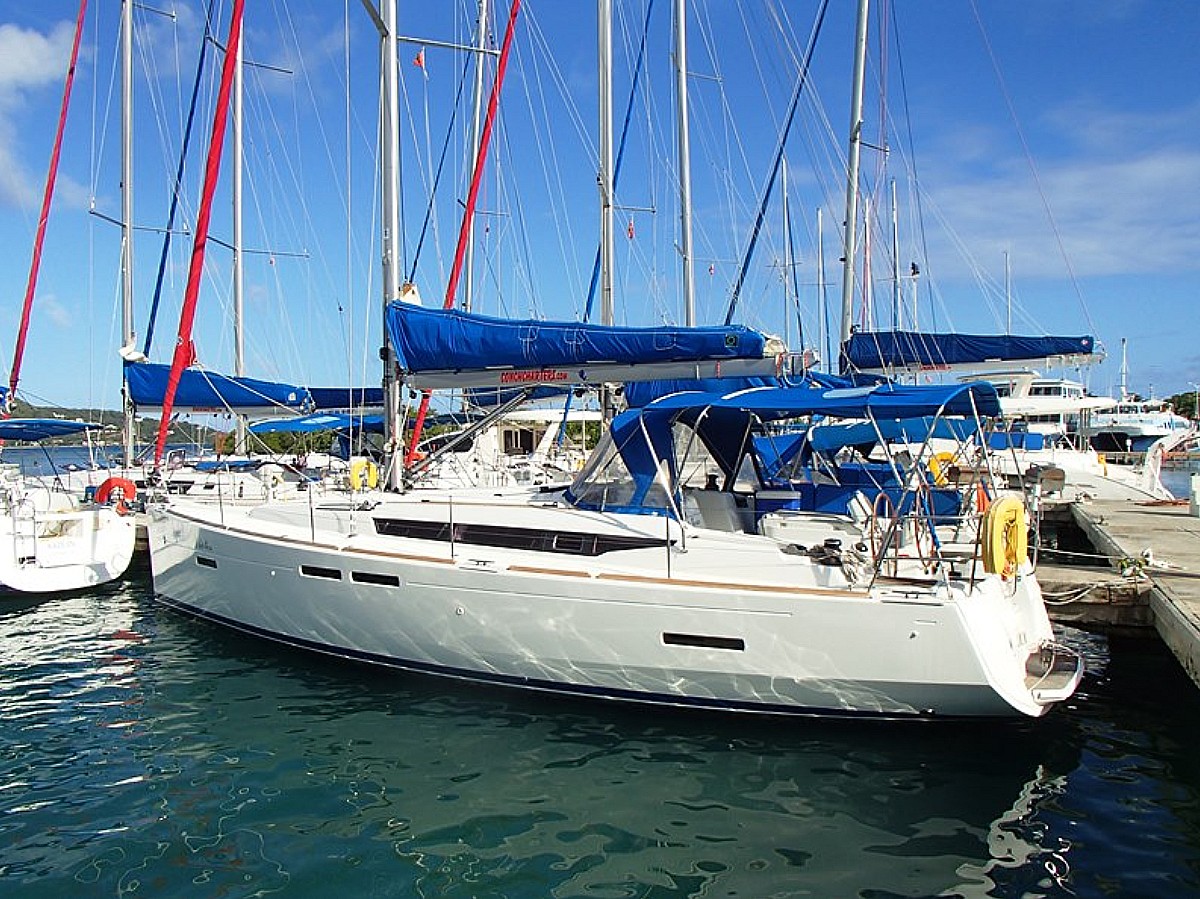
(239,333)
(821,304)
(476,135)
(127,335)
(685,162)
(868,284)
(390,189)
(604,177)
(1125,374)
(1007,294)
(895,261)
(787,253)
(856,103)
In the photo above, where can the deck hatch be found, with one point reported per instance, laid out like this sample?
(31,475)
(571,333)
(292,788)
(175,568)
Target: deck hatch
(206,562)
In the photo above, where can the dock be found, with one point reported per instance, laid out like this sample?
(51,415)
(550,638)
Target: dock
(1155,547)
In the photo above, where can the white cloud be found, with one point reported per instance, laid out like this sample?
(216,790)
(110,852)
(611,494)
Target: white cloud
(30,59)
(58,314)
(1119,207)
(29,62)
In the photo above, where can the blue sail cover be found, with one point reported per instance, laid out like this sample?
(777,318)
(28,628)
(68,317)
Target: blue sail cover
(900,349)
(42,428)
(211,392)
(450,339)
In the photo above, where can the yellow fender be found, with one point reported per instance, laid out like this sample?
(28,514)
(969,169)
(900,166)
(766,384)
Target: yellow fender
(1005,541)
(939,467)
(364,471)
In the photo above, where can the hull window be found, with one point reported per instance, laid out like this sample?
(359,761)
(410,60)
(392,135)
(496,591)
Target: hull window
(330,574)
(370,577)
(704,642)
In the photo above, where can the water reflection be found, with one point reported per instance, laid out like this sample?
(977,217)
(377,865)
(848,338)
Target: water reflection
(144,752)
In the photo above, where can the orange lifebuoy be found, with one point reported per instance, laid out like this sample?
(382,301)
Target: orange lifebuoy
(125,489)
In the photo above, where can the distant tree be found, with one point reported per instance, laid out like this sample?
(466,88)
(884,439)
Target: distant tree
(1185,403)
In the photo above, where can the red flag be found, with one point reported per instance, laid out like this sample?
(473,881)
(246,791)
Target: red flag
(419,61)
(629,230)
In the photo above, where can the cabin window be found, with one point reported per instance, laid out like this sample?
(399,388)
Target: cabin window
(607,483)
(519,441)
(566,542)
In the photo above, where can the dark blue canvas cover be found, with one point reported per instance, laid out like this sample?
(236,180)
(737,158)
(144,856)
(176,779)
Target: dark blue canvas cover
(206,390)
(42,428)
(898,349)
(450,339)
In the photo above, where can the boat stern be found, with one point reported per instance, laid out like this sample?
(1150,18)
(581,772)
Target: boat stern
(1052,673)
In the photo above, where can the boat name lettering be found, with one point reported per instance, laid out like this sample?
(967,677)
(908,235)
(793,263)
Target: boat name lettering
(532,375)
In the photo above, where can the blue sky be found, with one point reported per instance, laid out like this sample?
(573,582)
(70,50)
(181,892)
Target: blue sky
(1064,133)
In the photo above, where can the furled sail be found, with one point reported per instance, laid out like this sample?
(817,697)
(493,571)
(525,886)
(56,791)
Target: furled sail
(205,391)
(909,351)
(449,347)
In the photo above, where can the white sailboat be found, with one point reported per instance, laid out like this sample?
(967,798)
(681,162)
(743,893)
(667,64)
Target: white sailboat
(50,539)
(636,583)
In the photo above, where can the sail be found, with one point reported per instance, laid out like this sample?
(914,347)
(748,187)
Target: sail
(206,391)
(532,351)
(915,350)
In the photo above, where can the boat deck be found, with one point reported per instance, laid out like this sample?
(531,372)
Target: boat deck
(1162,543)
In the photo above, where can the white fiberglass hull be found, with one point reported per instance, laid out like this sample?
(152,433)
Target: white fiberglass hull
(47,552)
(730,621)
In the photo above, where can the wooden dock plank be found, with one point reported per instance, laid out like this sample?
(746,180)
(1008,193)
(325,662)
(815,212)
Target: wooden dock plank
(1171,537)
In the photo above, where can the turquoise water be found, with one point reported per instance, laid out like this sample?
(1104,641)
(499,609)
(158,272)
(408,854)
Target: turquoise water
(146,754)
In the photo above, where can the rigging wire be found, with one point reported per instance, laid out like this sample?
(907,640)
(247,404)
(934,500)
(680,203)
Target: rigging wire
(620,157)
(1012,111)
(437,177)
(803,76)
(177,188)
